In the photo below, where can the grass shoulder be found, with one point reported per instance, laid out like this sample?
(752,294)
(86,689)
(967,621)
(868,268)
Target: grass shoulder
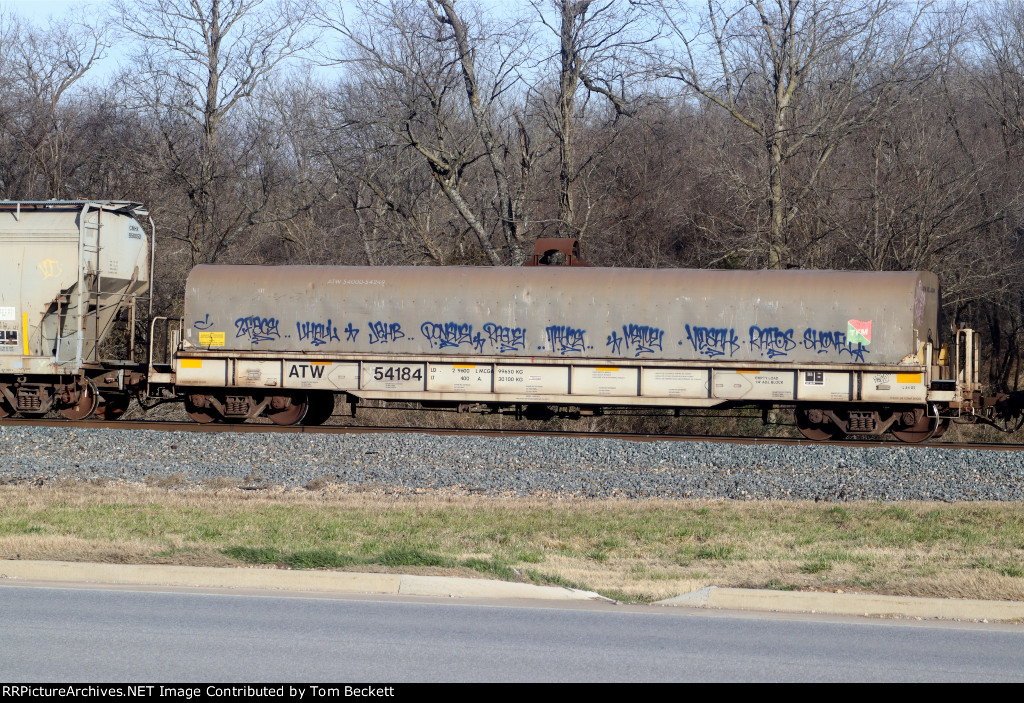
(627,550)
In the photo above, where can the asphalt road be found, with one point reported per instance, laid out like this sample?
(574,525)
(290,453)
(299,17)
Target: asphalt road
(87,635)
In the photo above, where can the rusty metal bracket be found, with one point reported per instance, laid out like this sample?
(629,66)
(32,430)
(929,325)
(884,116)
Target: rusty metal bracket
(556,251)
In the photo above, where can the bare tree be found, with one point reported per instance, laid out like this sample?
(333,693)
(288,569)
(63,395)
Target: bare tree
(996,71)
(40,66)
(482,100)
(800,75)
(195,62)
(1000,33)
(285,119)
(388,205)
(443,81)
(11,168)
(599,42)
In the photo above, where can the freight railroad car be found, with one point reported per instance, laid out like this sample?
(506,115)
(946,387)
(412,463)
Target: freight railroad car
(853,352)
(68,270)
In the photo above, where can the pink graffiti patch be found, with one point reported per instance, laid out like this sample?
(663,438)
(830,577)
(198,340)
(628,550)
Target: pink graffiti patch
(859,331)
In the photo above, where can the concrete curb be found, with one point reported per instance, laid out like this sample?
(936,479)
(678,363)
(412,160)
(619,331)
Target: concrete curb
(850,604)
(443,586)
(280,579)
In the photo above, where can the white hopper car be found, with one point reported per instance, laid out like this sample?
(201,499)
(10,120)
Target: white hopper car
(68,270)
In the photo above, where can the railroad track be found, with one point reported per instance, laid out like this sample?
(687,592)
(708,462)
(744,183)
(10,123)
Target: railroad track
(242,428)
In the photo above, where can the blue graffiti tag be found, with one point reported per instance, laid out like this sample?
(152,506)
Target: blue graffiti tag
(351,332)
(564,339)
(824,341)
(447,335)
(317,333)
(385,332)
(505,339)
(643,338)
(614,341)
(771,341)
(713,341)
(257,329)
(203,324)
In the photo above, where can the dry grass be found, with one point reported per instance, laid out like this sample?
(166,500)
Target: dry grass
(629,550)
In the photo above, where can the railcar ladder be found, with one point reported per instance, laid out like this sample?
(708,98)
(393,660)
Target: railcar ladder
(89,283)
(967,358)
(90,279)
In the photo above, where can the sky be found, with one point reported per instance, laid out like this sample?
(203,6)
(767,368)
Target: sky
(38,10)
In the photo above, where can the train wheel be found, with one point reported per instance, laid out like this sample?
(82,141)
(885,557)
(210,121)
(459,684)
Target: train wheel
(200,409)
(5,407)
(112,406)
(321,407)
(917,426)
(287,410)
(815,425)
(78,400)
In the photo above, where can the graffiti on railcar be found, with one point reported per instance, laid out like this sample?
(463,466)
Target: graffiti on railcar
(317,333)
(771,341)
(258,329)
(639,339)
(713,342)
(643,338)
(385,332)
(615,342)
(505,339)
(50,268)
(825,341)
(565,339)
(451,335)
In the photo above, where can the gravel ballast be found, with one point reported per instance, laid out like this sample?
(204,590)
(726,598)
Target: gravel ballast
(513,466)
